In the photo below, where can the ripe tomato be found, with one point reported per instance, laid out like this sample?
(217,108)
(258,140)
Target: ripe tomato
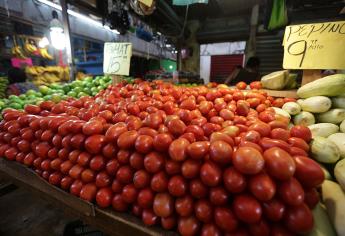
(144,143)
(178,149)
(218,196)
(241,85)
(188,225)
(279,164)
(104,197)
(220,152)
(274,210)
(76,187)
(118,203)
(124,174)
(177,186)
(262,187)
(308,172)
(261,127)
(168,222)
(163,205)
(161,142)
(210,174)
(102,179)
(225,219)
(302,132)
(197,189)
(298,142)
(94,143)
(66,182)
(255,85)
(159,182)
(198,150)
(247,208)
(145,198)
(210,230)
(267,143)
(280,133)
(291,192)
(127,139)
(141,179)
(248,160)
(299,219)
(129,193)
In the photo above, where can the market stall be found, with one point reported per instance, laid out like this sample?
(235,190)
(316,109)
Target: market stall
(168,154)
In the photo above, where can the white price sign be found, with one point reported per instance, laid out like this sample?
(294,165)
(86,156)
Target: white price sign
(117,58)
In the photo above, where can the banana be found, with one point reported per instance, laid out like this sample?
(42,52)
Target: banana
(45,54)
(30,48)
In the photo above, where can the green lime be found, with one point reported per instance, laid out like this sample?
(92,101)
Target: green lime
(56,97)
(30,92)
(72,94)
(43,89)
(15,105)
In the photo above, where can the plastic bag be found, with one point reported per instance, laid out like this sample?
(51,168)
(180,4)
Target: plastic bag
(279,16)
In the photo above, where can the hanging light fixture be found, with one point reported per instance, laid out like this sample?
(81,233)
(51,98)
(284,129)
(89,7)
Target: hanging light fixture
(57,36)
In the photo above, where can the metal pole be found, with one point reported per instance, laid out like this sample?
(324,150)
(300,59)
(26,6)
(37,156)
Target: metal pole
(66,28)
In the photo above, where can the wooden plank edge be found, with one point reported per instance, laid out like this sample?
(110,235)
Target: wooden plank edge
(281,93)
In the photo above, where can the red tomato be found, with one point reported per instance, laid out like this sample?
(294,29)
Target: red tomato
(197,189)
(97,163)
(184,206)
(188,226)
(302,132)
(233,180)
(94,143)
(136,160)
(76,187)
(291,192)
(241,85)
(177,186)
(66,182)
(298,142)
(129,193)
(198,150)
(168,222)
(247,208)
(203,211)
(104,197)
(210,230)
(154,162)
(295,151)
(267,143)
(141,179)
(163,205)
(279,164)
(190,168)
(225,219)
(161,142)
(273,210)
(102,179)
(220,152)
(218,196)
(311,197)
(263,128)
(144,143)
(118,203)
(262,187)
(279,133)
(159,182)
(308,172)
(55,178)
(88,192)
(255,85)
(210,174)
(145,198)
(178,149)
(127,139)
(124,174)
(248,160)
(299,219)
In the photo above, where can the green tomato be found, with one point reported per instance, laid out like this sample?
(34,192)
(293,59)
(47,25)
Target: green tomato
(56,97)
(66,88)
(15,105)
(47,97)
(43,89)
(12,97)
(77,90)
(31,92)
(81,94)
(72,94)
(22,96)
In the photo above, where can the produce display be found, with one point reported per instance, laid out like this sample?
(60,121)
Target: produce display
(3,86)
(56,92)
(45,75)
(198,160)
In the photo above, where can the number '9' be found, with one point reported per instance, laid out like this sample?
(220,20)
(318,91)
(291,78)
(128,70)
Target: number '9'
(302,52)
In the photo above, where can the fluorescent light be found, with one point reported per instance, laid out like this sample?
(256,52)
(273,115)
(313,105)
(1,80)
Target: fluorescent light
(78,15)
(168,45)
(44,42)
(159,33)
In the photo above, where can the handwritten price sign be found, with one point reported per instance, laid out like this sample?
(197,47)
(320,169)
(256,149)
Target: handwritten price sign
(117,58)
(315,46)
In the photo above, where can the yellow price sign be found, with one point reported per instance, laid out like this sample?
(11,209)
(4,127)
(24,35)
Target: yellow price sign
(147,2)
(117,58)
(315,46)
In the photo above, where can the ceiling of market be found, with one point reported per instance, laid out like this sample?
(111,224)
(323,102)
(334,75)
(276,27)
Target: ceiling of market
(222,20)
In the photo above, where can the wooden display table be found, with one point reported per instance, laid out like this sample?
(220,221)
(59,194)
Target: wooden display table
(281,93)
(108,221)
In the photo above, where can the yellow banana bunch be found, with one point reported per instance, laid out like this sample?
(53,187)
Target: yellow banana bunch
(30,48)
(45,54)
(18,52)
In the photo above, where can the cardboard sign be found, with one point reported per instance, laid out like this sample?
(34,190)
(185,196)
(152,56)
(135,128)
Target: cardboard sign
(315,46)
(147,2)
(117,58)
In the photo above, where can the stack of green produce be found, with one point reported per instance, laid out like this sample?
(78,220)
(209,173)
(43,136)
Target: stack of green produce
(279,80)
(57,92)
(322,109)
(3,86)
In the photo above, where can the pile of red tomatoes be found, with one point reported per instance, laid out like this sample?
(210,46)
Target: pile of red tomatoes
(201,161)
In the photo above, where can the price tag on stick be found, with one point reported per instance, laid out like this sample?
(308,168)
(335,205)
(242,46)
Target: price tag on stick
(315,46)
(117,58)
